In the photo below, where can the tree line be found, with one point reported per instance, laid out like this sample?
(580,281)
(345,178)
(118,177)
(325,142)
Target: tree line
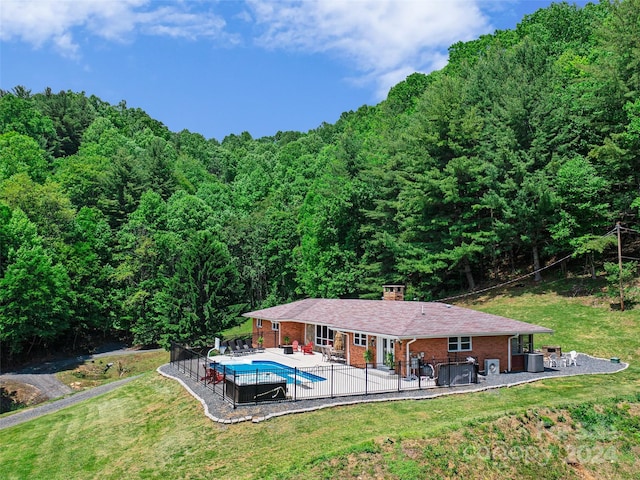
(523,148)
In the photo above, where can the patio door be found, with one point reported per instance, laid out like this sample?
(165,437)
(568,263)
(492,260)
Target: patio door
(385,346)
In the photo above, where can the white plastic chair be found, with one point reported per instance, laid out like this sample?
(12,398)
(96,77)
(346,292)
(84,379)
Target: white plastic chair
(573,358)
(553,360)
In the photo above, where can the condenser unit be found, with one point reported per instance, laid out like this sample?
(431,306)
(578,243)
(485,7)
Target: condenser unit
(491,366)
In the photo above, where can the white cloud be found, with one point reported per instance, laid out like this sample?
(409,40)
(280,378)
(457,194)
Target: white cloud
(39,22)
(385,39)
(382,40)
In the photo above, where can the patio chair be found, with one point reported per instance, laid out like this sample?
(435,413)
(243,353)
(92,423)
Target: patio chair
(296,346)
(236,347)
(211,375)
(553,361)
(573,358)
(247,347)
(326,353)
(336,355)
(308,348)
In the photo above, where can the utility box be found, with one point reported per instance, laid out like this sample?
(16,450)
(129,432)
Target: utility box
(492,366)
(459,373)
(534,362)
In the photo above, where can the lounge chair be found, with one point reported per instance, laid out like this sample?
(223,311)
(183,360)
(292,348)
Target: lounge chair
(247,347)
(236,347)
(308,348)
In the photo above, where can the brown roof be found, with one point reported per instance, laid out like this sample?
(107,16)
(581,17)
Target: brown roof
(396,319)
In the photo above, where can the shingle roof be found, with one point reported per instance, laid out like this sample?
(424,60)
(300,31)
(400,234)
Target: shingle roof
(396,319)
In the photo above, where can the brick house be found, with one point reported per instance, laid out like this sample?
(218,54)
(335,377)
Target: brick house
(406,330)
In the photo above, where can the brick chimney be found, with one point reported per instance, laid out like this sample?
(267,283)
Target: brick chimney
(393,292)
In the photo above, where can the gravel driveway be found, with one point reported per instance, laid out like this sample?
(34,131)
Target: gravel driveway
(30,413)
(42,377)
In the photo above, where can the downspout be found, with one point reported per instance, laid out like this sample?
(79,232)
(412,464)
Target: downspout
(509,350)
(408,363)
(347,348)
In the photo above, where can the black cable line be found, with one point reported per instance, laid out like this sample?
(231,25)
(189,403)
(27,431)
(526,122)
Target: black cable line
(476,292)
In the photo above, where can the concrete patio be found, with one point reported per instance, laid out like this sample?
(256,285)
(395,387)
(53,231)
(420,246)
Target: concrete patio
(340,379)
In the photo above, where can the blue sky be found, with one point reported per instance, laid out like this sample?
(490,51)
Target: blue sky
(221,67)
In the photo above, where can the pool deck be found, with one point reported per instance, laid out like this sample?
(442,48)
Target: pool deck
(314,397)
(297,359)
(345,380)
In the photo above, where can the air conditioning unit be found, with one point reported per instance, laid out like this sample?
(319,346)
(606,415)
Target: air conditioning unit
(491,366)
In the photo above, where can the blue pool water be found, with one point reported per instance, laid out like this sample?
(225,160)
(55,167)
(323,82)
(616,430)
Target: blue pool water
(267,366)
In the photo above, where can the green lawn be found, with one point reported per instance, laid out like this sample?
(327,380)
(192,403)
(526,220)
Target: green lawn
(245,329)
(152,428)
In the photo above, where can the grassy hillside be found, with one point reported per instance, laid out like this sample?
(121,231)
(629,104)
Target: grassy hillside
(151,428)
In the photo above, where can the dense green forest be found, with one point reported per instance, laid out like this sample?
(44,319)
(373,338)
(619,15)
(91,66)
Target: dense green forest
(522,150)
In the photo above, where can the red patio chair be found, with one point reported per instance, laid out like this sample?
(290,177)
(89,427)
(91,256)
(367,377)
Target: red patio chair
(308,348)
(218,377)
(212,376)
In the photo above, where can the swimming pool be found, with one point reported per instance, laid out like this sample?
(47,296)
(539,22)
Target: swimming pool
(260,367)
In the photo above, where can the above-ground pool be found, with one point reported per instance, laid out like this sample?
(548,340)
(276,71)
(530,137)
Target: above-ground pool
(257,369)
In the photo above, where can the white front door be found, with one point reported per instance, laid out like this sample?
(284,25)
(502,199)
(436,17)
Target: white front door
(385,346)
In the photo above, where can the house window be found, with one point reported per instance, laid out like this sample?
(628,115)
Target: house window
(324,335)
(275,326)
(258,323)
(360,339)
(459,344)
(522,344)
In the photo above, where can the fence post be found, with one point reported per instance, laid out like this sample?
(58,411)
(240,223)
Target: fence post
(295,384)
(204,378)
(366,378)
(224,386)
(233,400)
(332,379)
